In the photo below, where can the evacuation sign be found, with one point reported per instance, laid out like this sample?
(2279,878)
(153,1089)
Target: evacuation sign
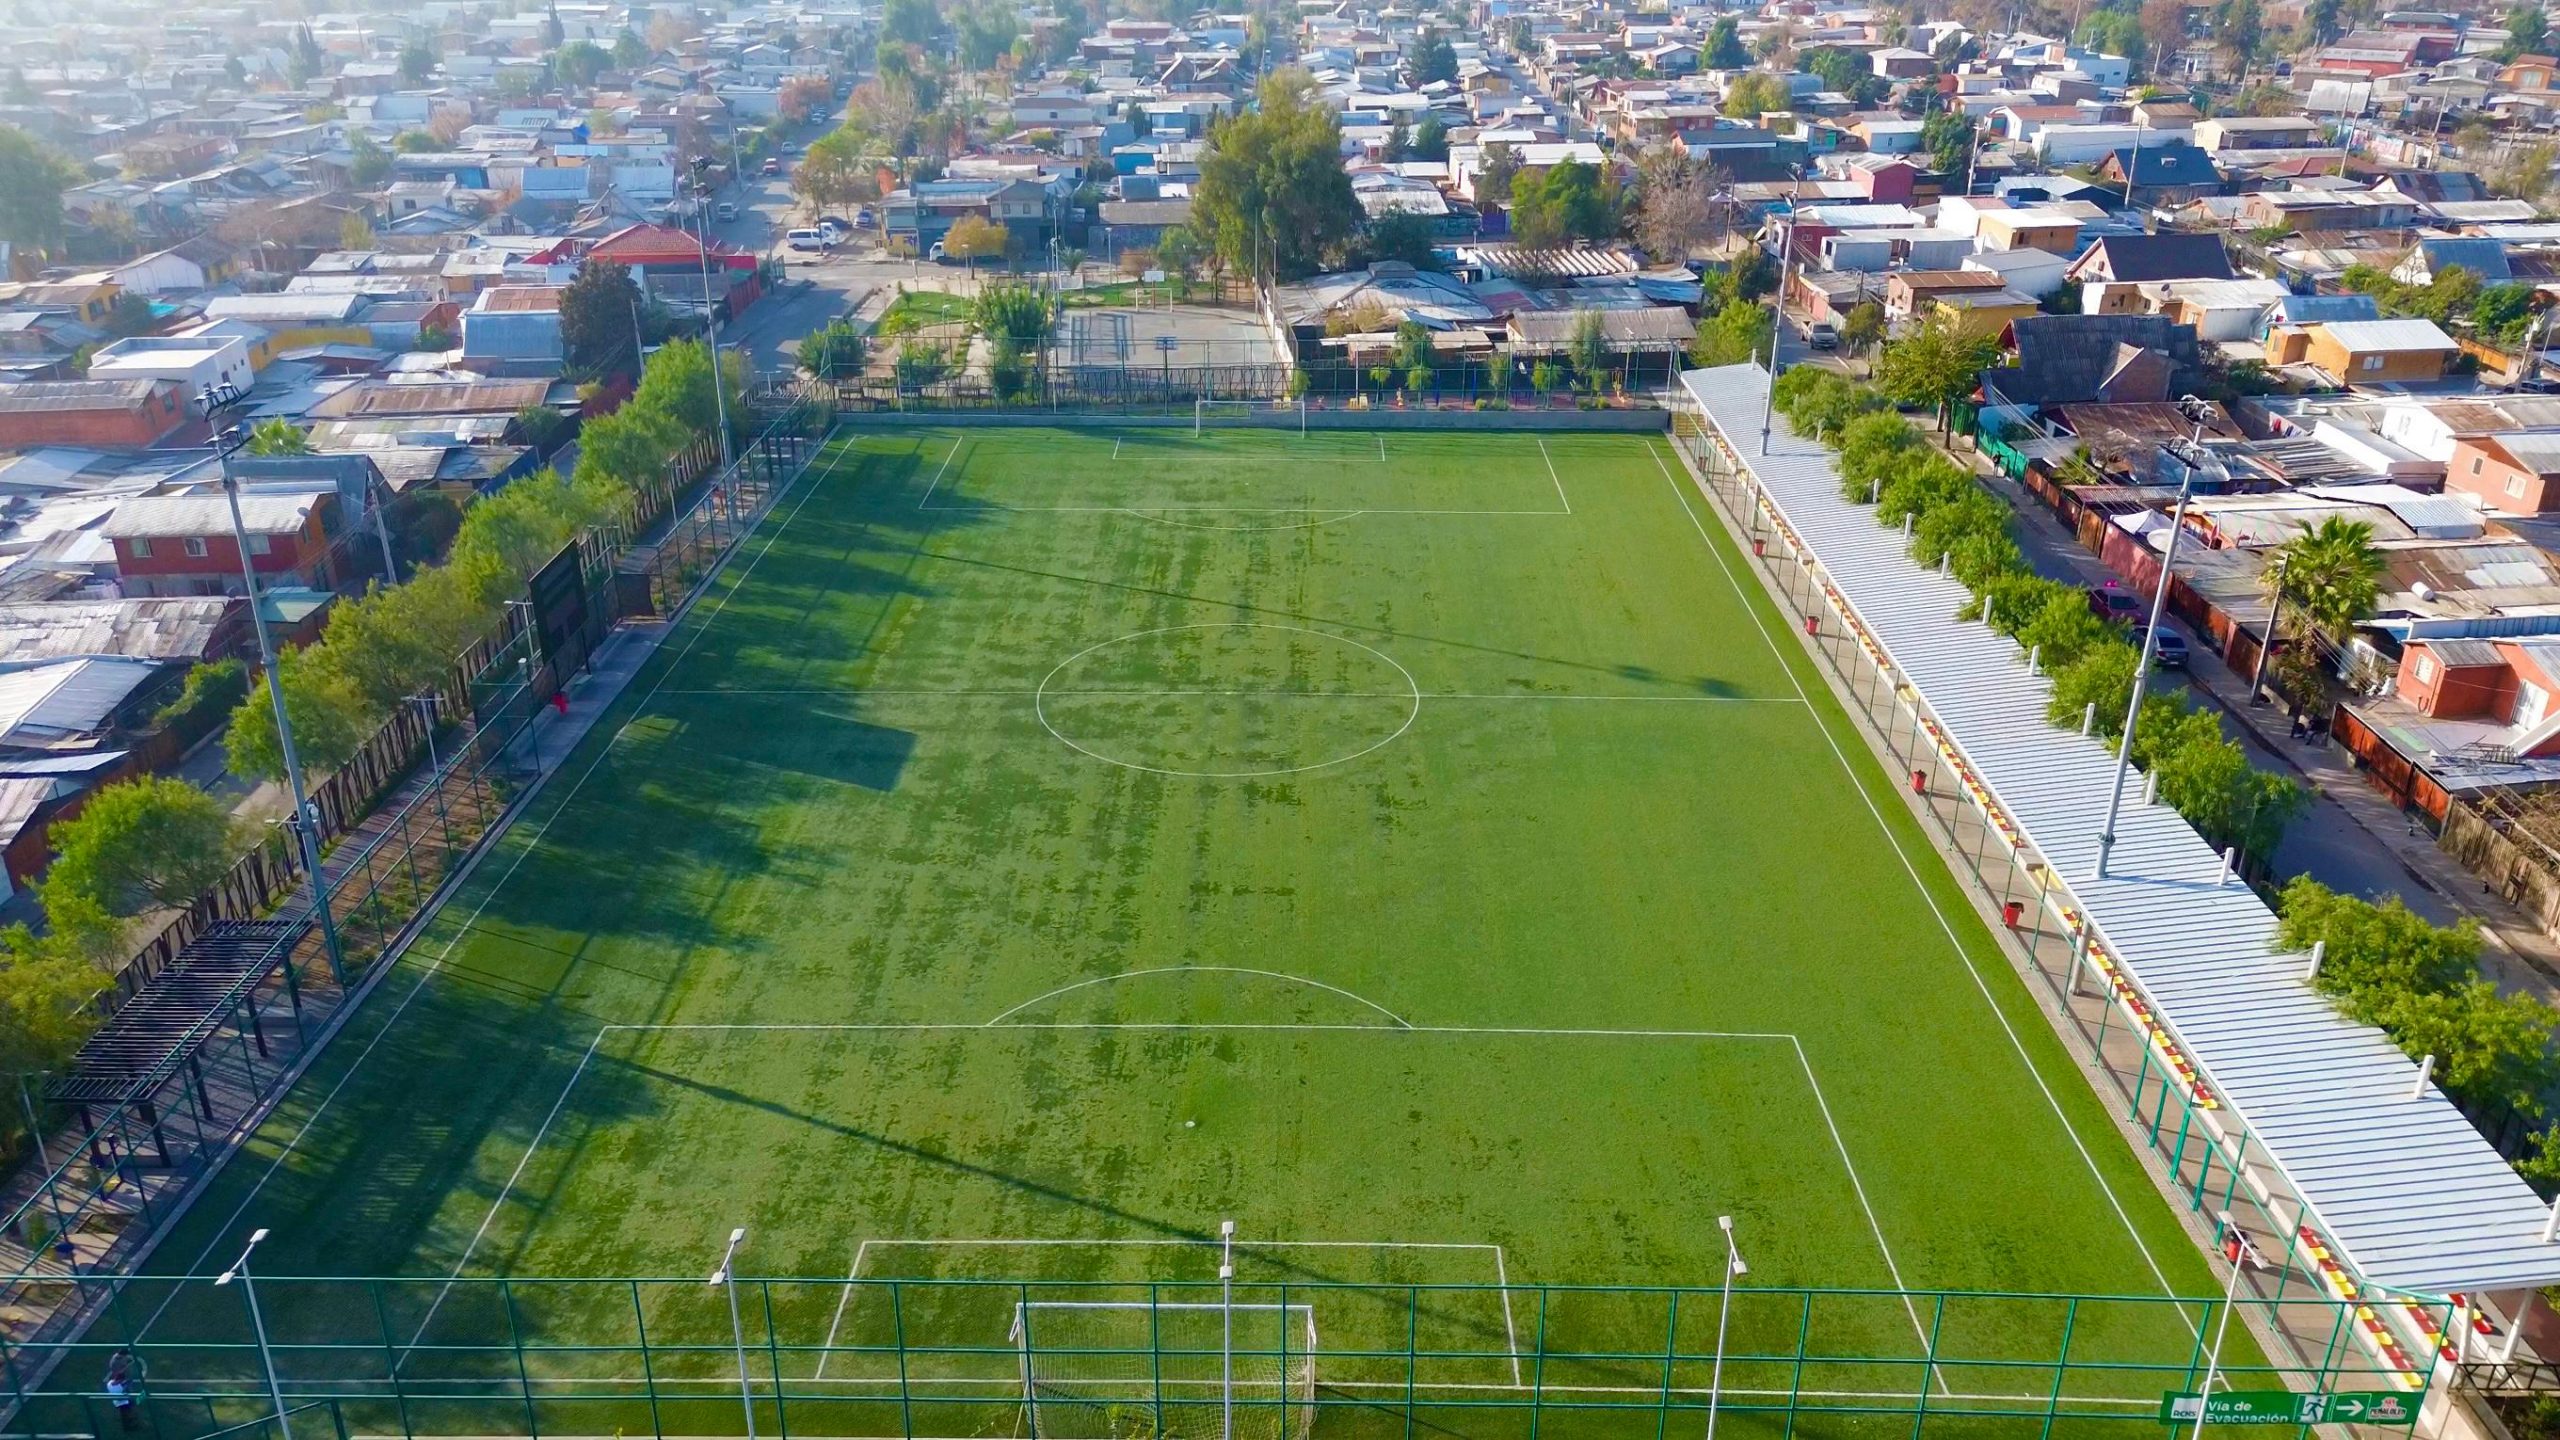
(2285,1407)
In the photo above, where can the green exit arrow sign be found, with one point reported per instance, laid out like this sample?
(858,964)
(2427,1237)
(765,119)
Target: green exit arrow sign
(2286,1407)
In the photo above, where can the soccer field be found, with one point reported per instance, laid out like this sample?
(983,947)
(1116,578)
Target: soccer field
(1041,846)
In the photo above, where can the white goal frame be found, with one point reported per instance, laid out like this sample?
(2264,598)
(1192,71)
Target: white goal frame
(1200,411)
(1045,1392)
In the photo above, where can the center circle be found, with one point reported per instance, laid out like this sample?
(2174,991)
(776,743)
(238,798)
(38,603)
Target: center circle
(1227,701)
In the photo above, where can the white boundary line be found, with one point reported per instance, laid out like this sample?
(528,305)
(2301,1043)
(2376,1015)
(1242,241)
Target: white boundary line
(1502,1277)
(1401,1022)
(1954,941)
(471,921)
(1552,475)
(926,502)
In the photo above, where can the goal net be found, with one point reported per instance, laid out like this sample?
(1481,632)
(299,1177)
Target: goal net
(1204,413)
(1129,1370)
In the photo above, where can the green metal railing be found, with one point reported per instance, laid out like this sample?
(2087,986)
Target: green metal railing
(949,1357)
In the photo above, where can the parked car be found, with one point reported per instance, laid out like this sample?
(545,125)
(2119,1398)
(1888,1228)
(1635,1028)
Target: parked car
(806,239)
(2168,649)
(939,255)
(724,212)
(862,218)
(836,226)
(2113,601)
(772,165)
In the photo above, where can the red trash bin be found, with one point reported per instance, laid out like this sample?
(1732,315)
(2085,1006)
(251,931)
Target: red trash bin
(2011,911)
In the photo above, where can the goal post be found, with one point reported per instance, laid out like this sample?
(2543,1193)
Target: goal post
(1284,412)
(1128,1370)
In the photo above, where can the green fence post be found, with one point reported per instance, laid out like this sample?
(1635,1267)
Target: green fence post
(1155,1350)
(1670,1351)
(2239,1159)
(773,1357)
(1795,1380)
(2061,1368)
(1928,1364)
(1412,1346)
(1538,1368)
(898,1334)
(391,1358)
(515,1341)
(648,1362)
(2186,1118)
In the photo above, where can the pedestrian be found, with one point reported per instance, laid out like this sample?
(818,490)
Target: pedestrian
(124,1385)
(560,701)
(2298,729)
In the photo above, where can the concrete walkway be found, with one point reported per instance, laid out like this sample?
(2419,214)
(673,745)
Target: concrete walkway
(2351,837)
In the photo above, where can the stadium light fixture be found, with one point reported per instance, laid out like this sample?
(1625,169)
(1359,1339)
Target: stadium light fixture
(258,1325)
(727,1278)
(1733,1268)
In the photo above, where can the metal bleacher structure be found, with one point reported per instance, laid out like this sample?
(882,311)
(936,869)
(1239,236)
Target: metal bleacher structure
(2331,1149)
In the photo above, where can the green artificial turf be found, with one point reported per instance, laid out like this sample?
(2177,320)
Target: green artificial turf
(1417,844)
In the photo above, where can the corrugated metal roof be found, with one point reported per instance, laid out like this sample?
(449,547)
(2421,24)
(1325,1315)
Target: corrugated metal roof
(62,698)
(151,516)
(2462,654)
(2389,335)
(2413,1197)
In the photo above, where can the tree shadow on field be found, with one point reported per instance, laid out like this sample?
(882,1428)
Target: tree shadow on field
(1118,1219)
(818,738)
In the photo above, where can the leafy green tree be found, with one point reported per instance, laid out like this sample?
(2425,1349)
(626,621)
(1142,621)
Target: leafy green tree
(1014,318)
(630,52)
(1566,202)
(2116,32)
(1400,236)
(32,179)
(47,992)
(542,428)
(2374,948)
(1862,327)
(278,436)
(417,63)
(1588,346)
(144,844)
(330,721)
(579,62)
(2331,572)
(599,320)
(371,165)
(1948,137)
(912,22)
(414,142)
(1272,184)
(1434,60)
(835,351)
(986,31)
(1751,96)
(2528,32)
(1935,365)
(921,364)
(1498,168)
(1431,139)
(1724,45)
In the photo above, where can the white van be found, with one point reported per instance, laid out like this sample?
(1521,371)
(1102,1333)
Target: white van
(807,239)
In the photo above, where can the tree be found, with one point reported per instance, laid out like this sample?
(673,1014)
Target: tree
(1862,327)
(1675,205)
(599,320)
(2528,31)
(417,62)
(1935,365)
(140,845)
(330,721)
(1272,188)
(986,31)
(630,52)
(1402,237)
(1496,170)
(802,96)
(2242,28)
(1588,347)
(278,436)
(921,363)
(1751,96)
(1564,202)
(542,428)
(2331,573)
(1434,60)
(371,164)
(2524,172)
(2164,29)
(833,172)
(32,179)
(911,22)
(1179,250)
(2116,32)
(1012,317)
(1948,137)
(1734,335)
(579,62)
(1431,139)
(552,31)
(1724,46)
(975,238)
(835,351)
(678,385)
(413,142)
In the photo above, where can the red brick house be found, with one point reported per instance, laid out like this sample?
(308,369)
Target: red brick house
(2499,682)
(183,545)
(2517,473)
(102,414)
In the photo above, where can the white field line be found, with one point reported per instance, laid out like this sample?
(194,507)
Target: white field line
(1858,1186)
(1552,475)
(1086,984)
(1510,1328)
(1954,942)
(927,502)
(471,921)
(498,1204)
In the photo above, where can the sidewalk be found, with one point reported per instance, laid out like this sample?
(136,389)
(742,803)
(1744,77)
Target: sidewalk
(2350,838)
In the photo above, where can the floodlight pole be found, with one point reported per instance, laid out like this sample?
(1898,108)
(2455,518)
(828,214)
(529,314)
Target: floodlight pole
(726,1277)
(710,312)
(2196,412)
(1227,1330)
(1733,1266)
(258,1324)
(215,399)
(1778,315)
(2247,1256)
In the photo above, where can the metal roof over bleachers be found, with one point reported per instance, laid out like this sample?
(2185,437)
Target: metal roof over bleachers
(2410,1193)
(143,1043)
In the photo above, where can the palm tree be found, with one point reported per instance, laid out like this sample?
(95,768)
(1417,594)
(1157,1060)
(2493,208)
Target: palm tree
(278,436)
(2332,571)
(2080,470)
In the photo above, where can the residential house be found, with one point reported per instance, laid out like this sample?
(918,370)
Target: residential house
(2227,133)
(513,330)
(1138,224)
(197,264)
(2165,256)
(184,545)
(1908,293)
(917,219)
(195,362)
(99,414)
(2075,359)
(2367,352)
(2047,230)
(2507,683)
(2514,473)
(2163,174)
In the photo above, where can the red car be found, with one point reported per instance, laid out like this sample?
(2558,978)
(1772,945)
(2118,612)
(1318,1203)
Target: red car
(773,167)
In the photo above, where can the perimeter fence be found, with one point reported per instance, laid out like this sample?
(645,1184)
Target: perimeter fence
(981,1357)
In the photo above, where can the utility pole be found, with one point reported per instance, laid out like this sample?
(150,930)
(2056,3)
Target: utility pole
(1778,317)
(306,824)
(2197,410)
(710,312)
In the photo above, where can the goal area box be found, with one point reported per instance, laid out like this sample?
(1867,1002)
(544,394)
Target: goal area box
(1113,1370)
